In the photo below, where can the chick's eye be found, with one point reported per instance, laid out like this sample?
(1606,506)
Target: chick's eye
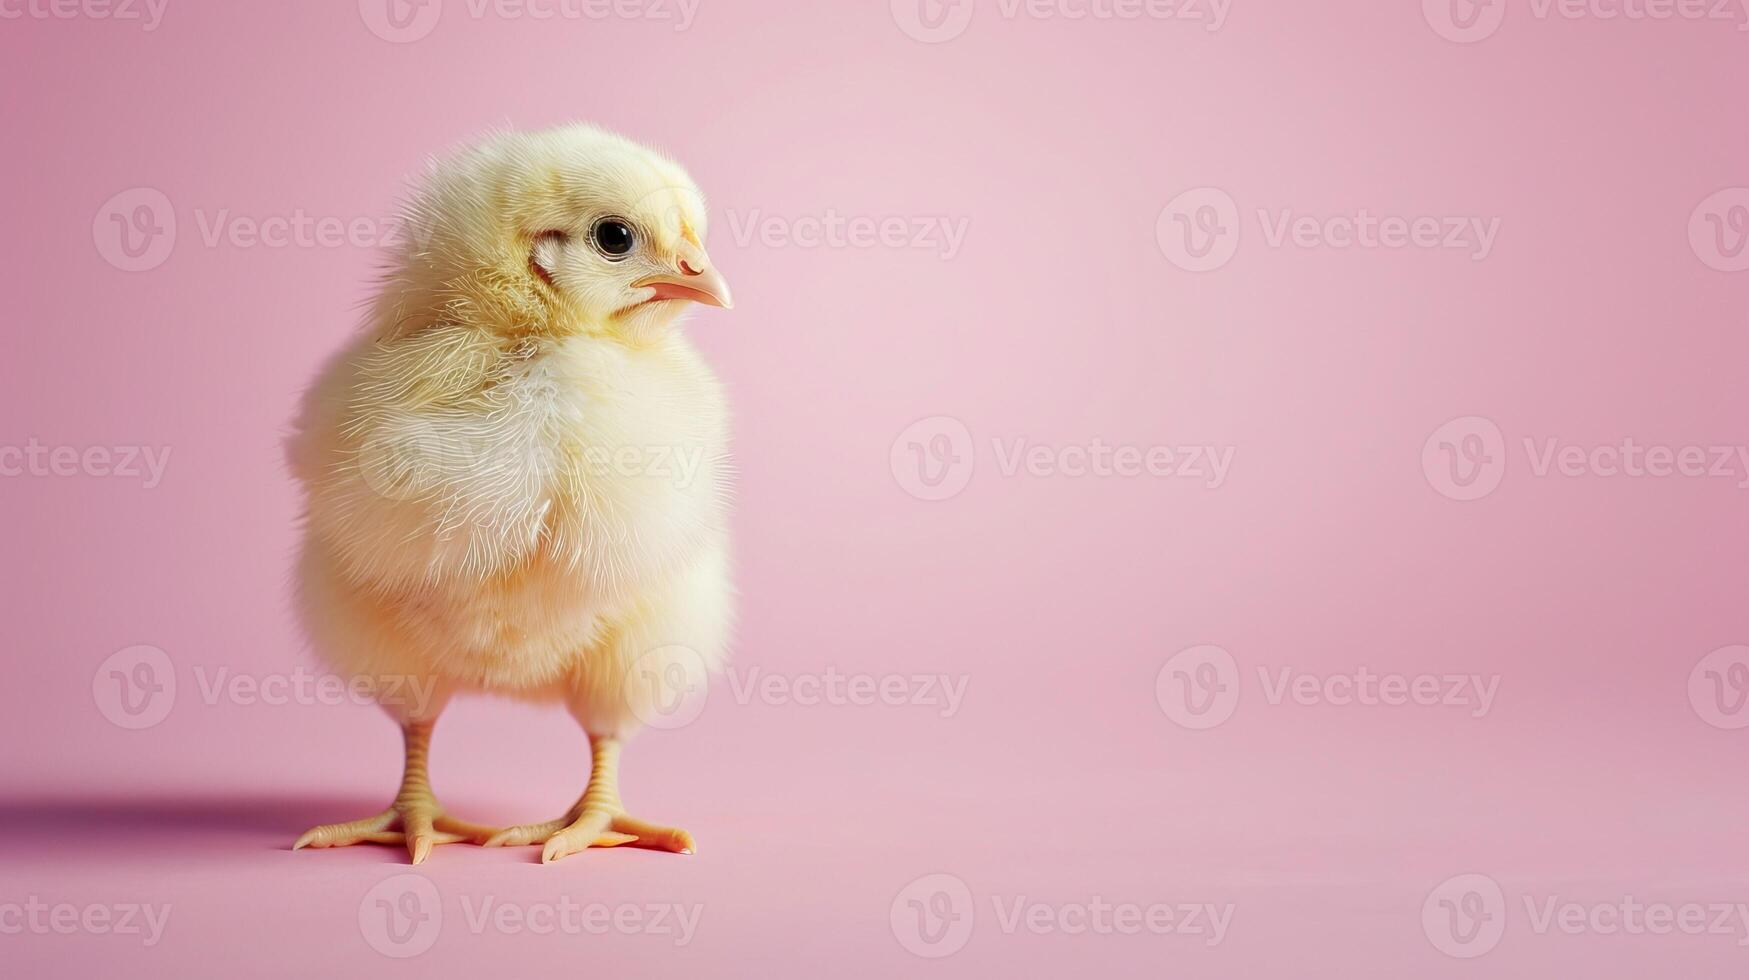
(613,237)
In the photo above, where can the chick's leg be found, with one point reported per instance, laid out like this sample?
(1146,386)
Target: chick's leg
(598,819)
(414,819)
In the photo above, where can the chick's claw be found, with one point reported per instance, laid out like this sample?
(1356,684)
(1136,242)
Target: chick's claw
(372,829)
(652,836)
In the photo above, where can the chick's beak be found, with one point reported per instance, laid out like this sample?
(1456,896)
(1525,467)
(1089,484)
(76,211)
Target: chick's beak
(693,278)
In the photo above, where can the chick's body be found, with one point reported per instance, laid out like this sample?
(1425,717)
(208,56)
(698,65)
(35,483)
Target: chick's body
(516,477)
(518,518)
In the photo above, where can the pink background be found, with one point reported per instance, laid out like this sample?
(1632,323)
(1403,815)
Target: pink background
(1056,599)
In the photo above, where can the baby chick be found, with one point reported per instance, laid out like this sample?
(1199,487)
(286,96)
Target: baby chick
(515,477)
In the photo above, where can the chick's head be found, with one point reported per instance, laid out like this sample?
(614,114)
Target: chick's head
(569,230)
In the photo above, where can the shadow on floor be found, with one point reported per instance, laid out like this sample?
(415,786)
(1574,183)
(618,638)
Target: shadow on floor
(250,820)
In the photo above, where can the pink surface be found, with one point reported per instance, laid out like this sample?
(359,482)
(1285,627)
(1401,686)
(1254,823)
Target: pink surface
(1351,528)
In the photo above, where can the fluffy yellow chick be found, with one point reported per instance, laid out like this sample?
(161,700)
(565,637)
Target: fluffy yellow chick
(516,476)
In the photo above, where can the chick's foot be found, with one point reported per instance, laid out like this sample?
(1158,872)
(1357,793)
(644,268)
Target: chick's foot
(414,819)
(420,824)
(597,820)
(592,827)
